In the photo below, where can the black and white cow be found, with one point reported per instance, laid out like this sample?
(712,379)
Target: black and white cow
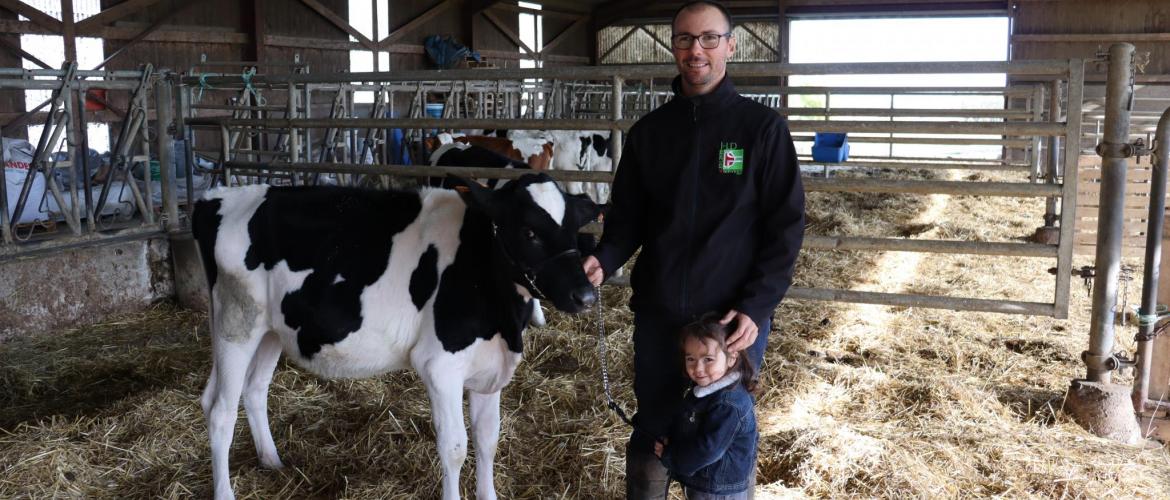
(585,150)
(355,283)
(470,155)
(460,154)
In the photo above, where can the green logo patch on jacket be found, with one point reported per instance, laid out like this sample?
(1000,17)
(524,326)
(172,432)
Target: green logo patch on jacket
(730,158)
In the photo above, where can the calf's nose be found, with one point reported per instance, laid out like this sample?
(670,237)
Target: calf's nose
(584,297)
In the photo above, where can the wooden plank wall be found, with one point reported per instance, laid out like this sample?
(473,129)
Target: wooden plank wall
(12,100)
(1039,24)
(1137,202)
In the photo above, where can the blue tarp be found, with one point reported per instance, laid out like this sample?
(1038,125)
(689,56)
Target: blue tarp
(445,52)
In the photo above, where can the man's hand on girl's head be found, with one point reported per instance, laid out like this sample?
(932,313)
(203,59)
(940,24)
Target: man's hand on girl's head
(745,331)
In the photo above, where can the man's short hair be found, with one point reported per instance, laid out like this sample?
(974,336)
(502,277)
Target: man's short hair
(695,4)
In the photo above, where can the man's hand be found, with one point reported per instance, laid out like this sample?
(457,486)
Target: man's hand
(659,447)
(593,270)
(745,331)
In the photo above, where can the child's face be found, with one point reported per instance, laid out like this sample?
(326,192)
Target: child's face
(706,362)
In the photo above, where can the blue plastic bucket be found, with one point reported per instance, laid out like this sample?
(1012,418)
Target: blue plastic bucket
(435,110)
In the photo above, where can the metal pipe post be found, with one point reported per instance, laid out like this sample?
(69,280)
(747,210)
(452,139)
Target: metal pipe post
(1034,150)
(616,133)
(1114,150)
(1149,310)
(73,212)
(164,109)
(294,138)
(182,130)
(1052,172)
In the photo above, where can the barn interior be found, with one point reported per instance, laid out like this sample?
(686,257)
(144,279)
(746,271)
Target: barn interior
(957,294)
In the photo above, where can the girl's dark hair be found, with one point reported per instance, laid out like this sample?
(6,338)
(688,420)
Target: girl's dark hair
(695,4)
(708,328)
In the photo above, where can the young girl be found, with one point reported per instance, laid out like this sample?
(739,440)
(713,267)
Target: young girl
(711,449)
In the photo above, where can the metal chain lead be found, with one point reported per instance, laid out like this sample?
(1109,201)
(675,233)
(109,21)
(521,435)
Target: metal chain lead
(613,405)
(601,346)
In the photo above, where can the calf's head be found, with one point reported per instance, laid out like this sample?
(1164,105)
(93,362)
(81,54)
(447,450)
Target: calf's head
(535,227)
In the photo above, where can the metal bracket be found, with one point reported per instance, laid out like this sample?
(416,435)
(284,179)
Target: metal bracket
(1108,362)
(1107,149)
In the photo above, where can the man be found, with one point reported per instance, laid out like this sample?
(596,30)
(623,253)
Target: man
(708,187)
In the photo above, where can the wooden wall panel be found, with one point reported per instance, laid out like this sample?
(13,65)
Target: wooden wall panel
(1136,206)
(11,100)
(1091,17)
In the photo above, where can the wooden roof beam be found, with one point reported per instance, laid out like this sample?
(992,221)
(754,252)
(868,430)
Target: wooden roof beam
(616,10)
(508,32)
(401,31)
(342,24)
(561,37)
(150,29)
(15,49)
(34,15)
(111,14)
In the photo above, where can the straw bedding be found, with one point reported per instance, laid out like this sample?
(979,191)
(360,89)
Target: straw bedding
(861,401)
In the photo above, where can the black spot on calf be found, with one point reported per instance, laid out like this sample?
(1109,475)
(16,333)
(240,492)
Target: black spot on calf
(205,228)
(425,277)
(343,236)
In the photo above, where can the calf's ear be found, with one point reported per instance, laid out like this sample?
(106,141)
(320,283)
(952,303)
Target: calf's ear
(583,208)
(475,195)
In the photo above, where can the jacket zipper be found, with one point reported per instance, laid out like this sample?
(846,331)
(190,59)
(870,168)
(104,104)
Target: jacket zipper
(685,295)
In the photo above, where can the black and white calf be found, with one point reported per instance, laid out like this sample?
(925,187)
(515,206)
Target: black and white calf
(354,283)
(459,154)
(469,155)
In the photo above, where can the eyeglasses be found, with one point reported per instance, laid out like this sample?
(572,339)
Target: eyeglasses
(685,41)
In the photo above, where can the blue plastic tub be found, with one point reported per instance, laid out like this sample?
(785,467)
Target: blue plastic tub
(434,109)
(830,147)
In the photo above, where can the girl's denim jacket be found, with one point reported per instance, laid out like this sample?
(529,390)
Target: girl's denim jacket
(712,444)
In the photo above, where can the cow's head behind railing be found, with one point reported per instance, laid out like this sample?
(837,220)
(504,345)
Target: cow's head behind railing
(534,227)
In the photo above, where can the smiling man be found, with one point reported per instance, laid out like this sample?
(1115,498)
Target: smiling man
(709,189)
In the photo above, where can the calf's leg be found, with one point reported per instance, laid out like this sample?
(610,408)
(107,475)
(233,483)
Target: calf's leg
(446,394)
(231,364)
(485,424)
(256,399)
(236,332)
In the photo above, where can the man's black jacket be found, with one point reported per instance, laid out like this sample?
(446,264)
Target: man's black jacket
(711,239)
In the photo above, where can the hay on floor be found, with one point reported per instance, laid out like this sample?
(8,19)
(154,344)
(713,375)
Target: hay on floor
(861,401)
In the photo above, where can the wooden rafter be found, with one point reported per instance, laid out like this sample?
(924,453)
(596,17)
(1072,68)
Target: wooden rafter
(340,23)
(474,7)
(551,13)
(150,29)
(609,12)
(618,43)
(401,31)
(34,15)
(508,32)
(68,30)
(15,49)
(654,37)
(767,44)
(114,13)
(561,37)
